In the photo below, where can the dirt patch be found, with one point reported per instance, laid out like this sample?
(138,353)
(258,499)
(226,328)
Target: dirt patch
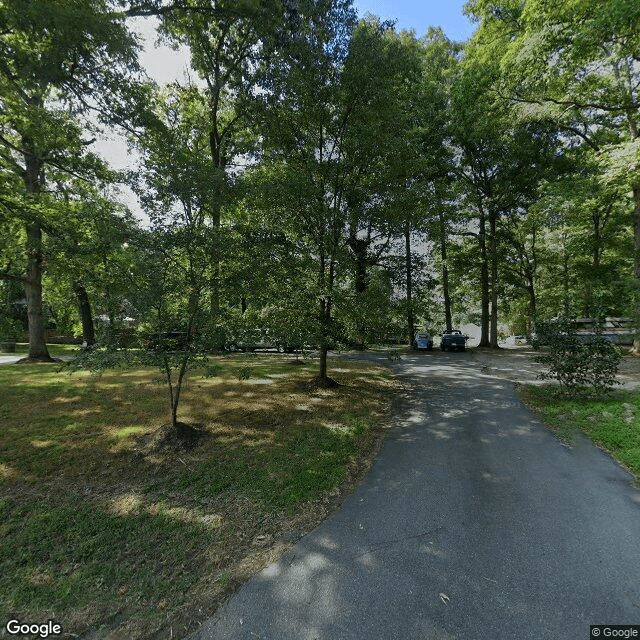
(182,437)
(40,360)
(517,364)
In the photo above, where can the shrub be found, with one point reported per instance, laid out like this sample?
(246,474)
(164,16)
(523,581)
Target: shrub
(578,362)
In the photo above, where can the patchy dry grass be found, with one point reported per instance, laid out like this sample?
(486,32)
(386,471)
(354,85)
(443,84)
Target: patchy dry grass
(96,533)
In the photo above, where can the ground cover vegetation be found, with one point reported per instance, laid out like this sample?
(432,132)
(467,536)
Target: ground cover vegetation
(581,364)
(316,181)
(612,421)
(103,524)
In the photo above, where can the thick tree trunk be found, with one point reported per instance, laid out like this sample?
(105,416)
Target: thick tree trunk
(484,282)
(33,291)
(322,374)
(445,275)
(533,305)
(325,281)
(33,180)
(410,320)
(360,247)
(214,281)
(493,339)
(636,235)
(323,377)
(565,277)
(86,317)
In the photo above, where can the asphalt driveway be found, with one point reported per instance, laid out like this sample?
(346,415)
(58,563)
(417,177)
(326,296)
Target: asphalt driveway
(475,522)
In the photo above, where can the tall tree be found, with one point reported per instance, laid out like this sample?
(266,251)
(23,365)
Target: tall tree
(502,160)
(56,58)
(231,44)
(577,62)
(306,122)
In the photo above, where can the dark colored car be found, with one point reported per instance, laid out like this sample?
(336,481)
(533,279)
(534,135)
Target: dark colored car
(453,340)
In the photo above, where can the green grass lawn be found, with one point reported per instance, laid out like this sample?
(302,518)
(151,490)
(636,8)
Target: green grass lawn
(612,422)
(54,349)
(96,530)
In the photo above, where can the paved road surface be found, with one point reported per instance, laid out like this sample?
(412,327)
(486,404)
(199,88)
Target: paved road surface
(474,523)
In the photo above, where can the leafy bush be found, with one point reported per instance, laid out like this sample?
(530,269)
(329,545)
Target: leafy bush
(578,362)
(10,328)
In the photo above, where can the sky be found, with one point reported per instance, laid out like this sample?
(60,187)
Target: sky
(164,64)
(421,14)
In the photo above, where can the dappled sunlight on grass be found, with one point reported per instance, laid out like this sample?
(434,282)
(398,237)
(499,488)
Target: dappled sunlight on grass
(124,432)
(101,521)
(8,472)
(125,504)
(40,444)
(612,421)
(133,503)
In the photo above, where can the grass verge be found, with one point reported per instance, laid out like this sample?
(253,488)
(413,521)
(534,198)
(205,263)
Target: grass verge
(612,422)
(22,348)
(98,533)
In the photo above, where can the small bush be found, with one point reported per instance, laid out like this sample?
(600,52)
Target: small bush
(577,362)
(243,373)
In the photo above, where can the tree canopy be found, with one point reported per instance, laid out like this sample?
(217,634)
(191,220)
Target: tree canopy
(322,179)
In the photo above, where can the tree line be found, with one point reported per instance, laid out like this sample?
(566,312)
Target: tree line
(324,177)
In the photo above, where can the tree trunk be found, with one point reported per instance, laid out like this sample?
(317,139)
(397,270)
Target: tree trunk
(324,309)
(322,374)
(325,314)
(484,282)
(88,332)
(214,282)
(445,274)
(360,247)
(565,276)
(636,235)
(410,320)
(533,310)
(33,179)
(493,340)
(33,291)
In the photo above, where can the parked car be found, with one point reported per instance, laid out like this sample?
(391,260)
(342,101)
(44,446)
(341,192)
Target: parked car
(423,341)
(258,340)
(453,339)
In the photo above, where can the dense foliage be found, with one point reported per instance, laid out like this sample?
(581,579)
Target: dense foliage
(318,179)
(579,362)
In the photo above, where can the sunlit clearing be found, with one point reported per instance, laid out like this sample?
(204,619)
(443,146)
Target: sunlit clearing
(7,472)
(126,431)
(337,427)
(63,400)
(125,505)
(42,444)
(211,520)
